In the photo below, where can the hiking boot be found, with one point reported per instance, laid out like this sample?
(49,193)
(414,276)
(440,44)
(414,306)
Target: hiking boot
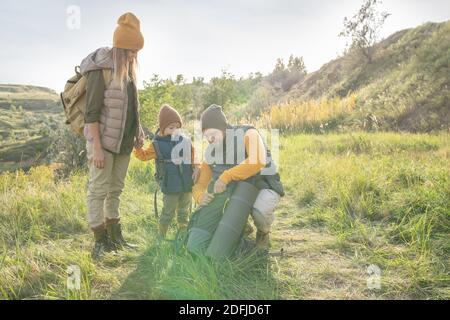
(114,231)
(248,229)
(181,231)
(101,245)
(182,227)
(262,240)
(245,247)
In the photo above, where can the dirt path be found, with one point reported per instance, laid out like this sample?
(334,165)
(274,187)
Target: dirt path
(310,262)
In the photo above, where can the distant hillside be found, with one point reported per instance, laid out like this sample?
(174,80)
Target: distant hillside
(24,89)
(31,98)
(406,87)
(27,116)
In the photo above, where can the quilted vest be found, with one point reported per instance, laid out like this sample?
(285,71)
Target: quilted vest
(232,153)
(113,116)
(176,176)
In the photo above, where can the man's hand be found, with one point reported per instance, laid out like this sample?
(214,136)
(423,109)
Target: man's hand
(206,199)
(99,158)
(196,174)
(219,186)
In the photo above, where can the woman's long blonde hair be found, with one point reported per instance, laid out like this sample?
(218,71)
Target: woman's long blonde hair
(124,71)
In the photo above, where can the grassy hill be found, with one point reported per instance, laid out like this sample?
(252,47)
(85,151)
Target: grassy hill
(406,87)
(28,115)
(353,200)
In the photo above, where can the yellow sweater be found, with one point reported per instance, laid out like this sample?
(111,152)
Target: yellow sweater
(150,153)
(255,161)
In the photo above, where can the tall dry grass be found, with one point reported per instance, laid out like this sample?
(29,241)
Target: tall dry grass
(308,116)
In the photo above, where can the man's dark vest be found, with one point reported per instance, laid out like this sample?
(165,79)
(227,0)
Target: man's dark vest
(172,177)
(229,160)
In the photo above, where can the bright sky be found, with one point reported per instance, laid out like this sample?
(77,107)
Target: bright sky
(193,38)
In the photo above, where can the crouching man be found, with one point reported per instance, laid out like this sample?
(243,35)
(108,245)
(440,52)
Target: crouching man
(235,153)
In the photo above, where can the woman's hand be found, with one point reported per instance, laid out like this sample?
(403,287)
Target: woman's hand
(139,142)
(196,174)
(206,199)
(99,157)
(219,186)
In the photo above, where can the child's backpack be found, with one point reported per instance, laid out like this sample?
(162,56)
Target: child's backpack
(73,99)
(160,170)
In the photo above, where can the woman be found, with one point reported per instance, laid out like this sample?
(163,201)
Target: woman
(112,130)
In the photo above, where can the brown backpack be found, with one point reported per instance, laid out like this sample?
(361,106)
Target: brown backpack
(73,99)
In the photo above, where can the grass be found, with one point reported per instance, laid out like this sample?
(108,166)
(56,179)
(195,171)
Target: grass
(385,196)
(28,115)
(309,116)
(404,88)
(353,200)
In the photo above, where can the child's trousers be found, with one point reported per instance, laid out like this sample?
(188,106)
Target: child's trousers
(176,203)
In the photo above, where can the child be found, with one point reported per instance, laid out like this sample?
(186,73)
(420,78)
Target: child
(176,179)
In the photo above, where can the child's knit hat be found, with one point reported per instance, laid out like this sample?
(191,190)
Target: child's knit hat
(168,115)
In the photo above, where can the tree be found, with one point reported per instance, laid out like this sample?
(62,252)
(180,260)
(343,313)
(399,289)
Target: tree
(296,64)
(364,27)
(261,99)
(198,81)
(156,93)
(284,78)
(182,95)
(245,87)
(190,99)
(179,80)
(279,66)
(68,149)
(221,90)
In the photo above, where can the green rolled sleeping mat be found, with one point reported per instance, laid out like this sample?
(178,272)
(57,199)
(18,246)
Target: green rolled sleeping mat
(204,222)
(229,231)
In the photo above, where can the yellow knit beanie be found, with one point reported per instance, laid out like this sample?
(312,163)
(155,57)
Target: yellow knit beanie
(128,34)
